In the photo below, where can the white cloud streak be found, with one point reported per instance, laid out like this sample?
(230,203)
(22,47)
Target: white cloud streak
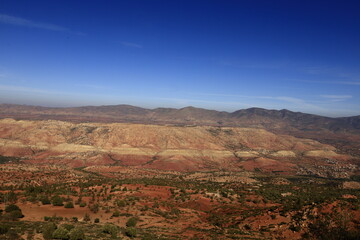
(336,98)
(352,83)
(349,83)
(130,44)
(27,89)
(16,21)
(7,19)
(252,65)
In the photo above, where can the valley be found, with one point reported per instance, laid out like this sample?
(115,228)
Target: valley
(125,180)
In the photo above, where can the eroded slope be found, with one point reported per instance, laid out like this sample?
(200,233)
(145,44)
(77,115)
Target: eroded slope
(164,147)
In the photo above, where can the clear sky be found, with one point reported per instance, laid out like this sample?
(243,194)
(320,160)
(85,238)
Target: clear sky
(224,55)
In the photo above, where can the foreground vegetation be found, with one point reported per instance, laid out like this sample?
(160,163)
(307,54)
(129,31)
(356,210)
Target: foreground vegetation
(75,204)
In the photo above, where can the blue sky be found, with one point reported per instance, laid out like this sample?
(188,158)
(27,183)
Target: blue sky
(223,55)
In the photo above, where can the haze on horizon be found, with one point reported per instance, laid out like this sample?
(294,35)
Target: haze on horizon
(223,55)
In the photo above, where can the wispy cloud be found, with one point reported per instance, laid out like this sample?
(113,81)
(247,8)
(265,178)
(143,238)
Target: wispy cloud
(131,44)
(336,98)
(283,98)
(26,89)
(345,76)
(280,98)
(349,83)
(7,19)
(352,83)
(17,21)
(258,65)
(94,86)
(317,70)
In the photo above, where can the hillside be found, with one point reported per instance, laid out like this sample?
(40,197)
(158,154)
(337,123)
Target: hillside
(200,148)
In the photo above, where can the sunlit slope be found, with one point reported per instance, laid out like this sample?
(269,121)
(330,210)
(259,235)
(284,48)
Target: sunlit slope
(160,147)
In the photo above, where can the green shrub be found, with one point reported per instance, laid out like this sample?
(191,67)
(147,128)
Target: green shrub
(97,220)
(16,214)
(94,208)
(120,203)
(4,229)
(57,201)
(131,232)
(11,207)
(13,212)
(145,208)
(12,234)
(131,222)
(110,229)
(61,233)
(77,234)
(45,200)
(69,205)
(67,226)
(11,197)
(48,230)
(116,214)
(82,204)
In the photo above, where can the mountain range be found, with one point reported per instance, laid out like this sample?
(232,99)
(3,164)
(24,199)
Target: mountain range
(251,117)
(343,133)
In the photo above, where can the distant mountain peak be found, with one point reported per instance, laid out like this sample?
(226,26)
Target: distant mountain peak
(252,117)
